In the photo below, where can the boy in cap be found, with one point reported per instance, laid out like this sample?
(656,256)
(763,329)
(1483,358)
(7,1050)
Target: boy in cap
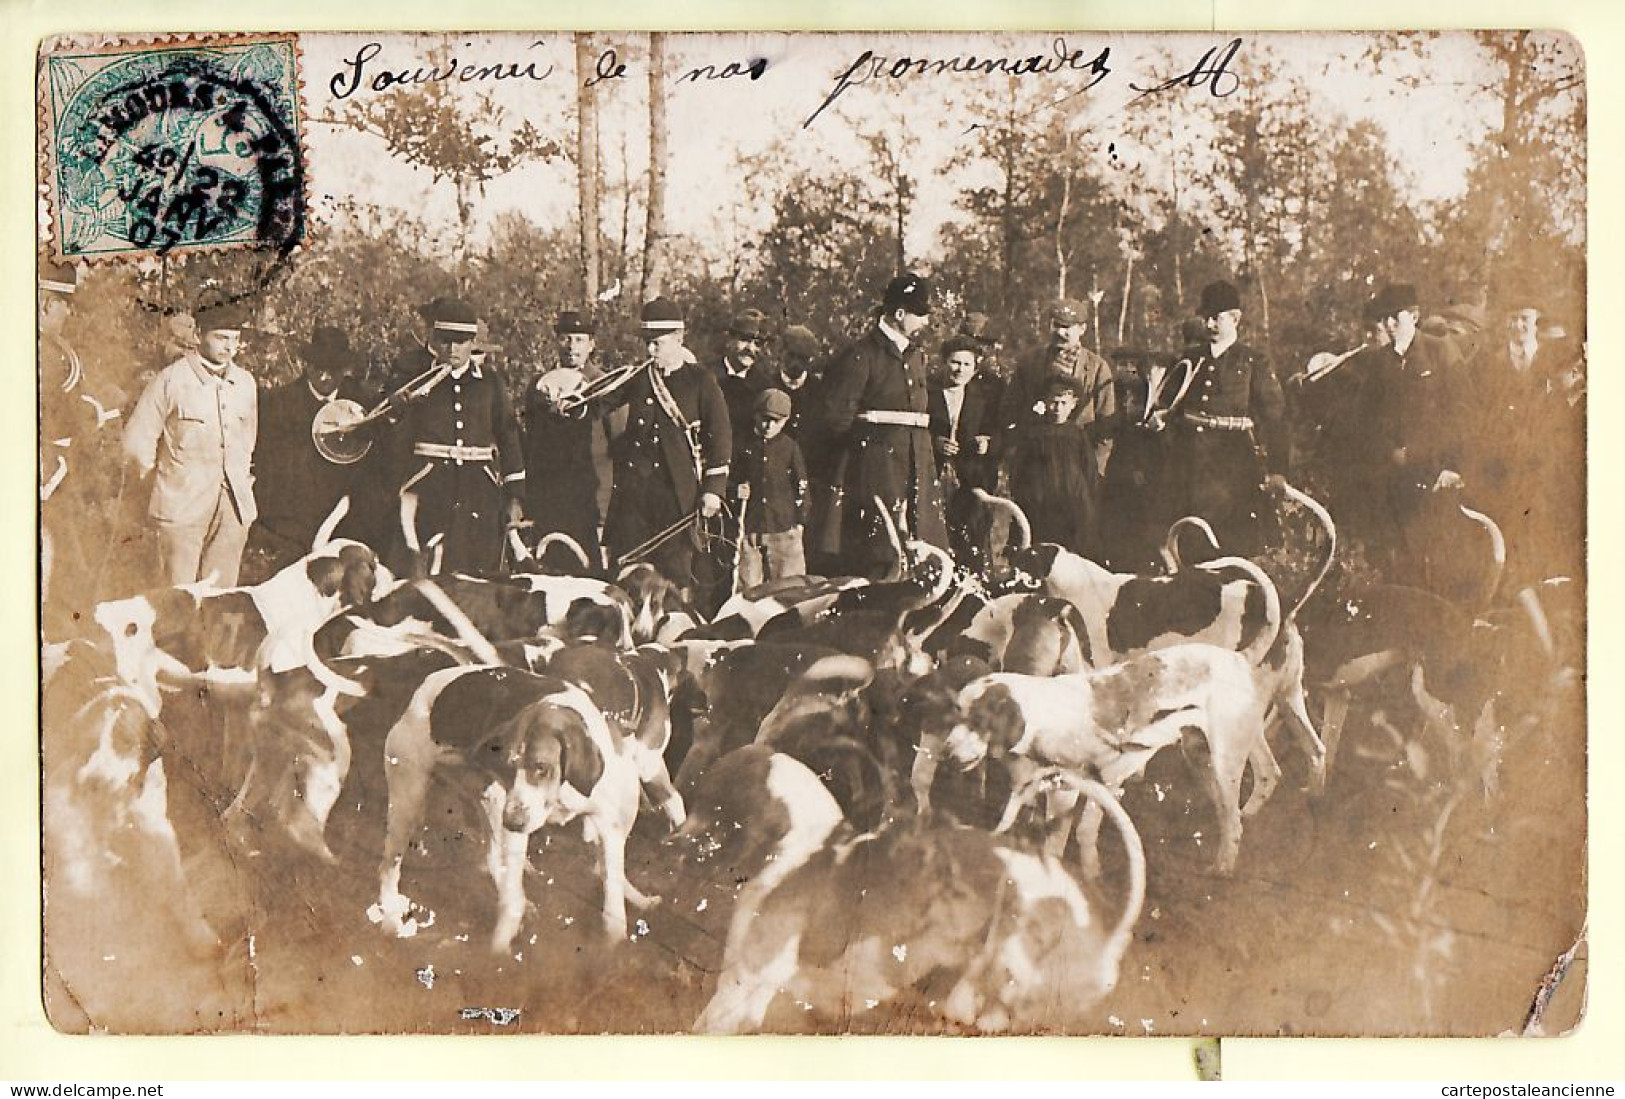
(562,481)
(1225,416)
(775,497)
(672,459)
(297,486)
(193,430)
(1053,477)
(457,453)
(875,410)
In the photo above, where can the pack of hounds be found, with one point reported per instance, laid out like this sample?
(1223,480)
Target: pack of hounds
(938,733)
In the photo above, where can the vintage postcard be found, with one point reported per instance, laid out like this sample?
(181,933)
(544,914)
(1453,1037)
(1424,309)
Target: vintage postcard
(1055,533)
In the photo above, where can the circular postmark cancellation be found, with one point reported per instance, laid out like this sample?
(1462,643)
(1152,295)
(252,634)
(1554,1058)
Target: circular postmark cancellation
(163,147)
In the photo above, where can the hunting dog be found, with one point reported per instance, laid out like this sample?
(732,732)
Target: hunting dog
(542,753)
(954,921)
(1109,723)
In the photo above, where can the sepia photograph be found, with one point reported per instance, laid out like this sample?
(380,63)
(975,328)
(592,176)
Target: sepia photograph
(864,533)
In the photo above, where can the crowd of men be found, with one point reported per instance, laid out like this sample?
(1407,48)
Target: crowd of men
(753,468)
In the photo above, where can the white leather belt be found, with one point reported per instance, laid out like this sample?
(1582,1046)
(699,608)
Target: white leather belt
(1220,423)
(455,453)
(896,419)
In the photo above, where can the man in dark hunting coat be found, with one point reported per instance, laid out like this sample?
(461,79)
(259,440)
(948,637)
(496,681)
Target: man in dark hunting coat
(561,480)
(296,486)
(876,410)
(1225,415)
(673,457)
(457,451)
(742,373)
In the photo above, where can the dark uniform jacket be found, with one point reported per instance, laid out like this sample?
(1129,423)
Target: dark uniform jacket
(978,415)
(894,462)
(561,481)
(778,484)
(297,488)
(1215,464)
(458,448)
(658,476)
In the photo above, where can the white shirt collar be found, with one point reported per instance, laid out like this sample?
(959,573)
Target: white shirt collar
(898,340)
(1215,349)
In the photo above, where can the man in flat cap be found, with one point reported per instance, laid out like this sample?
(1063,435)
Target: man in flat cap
(297,487)
(876,411)
(1225,415)
(672,459)
(193,430)
(460,469)
(561,479)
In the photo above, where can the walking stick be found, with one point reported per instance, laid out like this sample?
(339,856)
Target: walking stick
(739,546)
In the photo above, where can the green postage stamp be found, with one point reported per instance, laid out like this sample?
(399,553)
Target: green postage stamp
(165,145)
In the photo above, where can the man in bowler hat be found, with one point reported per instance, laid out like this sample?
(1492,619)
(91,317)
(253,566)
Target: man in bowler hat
(876,413)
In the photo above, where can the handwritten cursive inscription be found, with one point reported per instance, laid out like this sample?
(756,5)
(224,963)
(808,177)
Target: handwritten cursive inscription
(754,68)
(355,74)
(1213,70)
(609,67)
(868,67)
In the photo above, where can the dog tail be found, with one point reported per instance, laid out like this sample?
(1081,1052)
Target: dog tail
(1498,556)
(1170,545)
(1018,518)
(1318,510)
(324,533)
(1260,646)
(895,539)
(558,537)
(1117,943)
(945,565)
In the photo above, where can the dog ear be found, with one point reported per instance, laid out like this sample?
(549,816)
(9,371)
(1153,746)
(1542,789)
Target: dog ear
(360,574)
(326,575)
(998,717)
(580,765)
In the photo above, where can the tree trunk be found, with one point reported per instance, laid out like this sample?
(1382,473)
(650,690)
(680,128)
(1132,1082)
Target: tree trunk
(654,234)
(587,168)
(1060,219)
(1128,289)
(623,270)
